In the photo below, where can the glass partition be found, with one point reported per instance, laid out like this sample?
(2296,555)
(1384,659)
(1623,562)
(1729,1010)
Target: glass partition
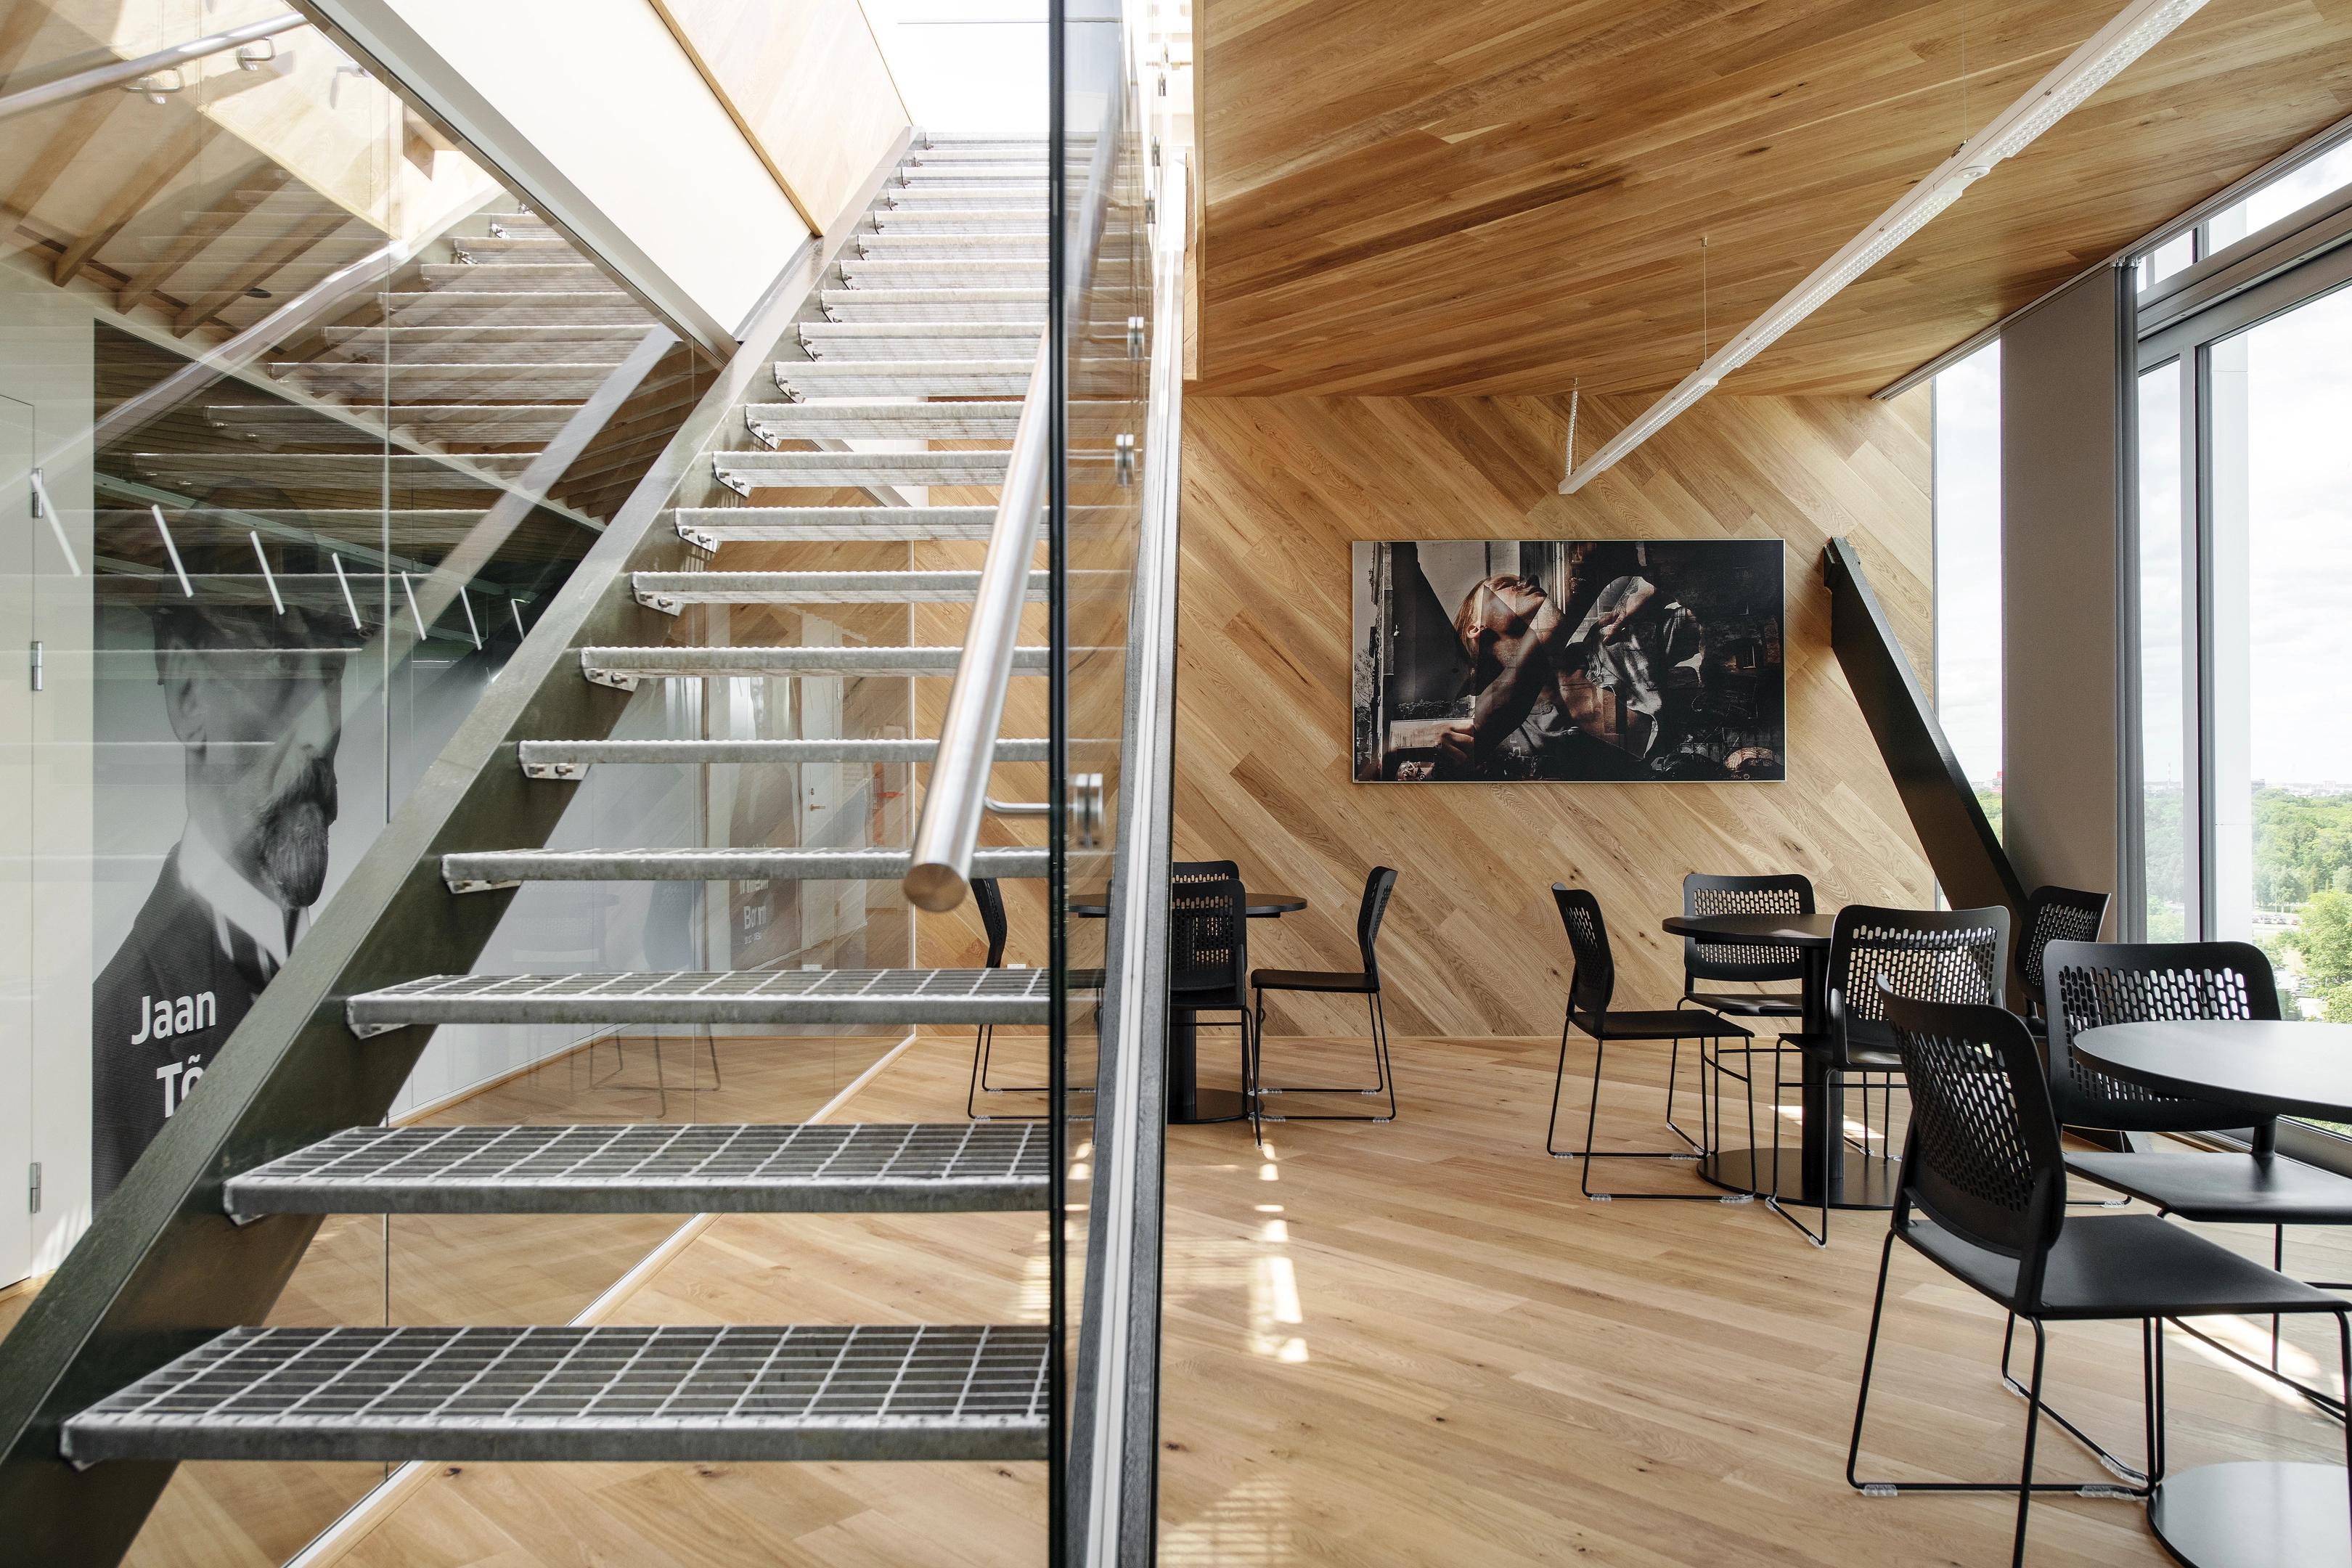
(304,417)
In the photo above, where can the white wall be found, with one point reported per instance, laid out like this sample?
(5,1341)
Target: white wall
(45,360)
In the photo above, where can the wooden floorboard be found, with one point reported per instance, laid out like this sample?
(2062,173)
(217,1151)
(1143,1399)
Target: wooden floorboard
(1408,1344)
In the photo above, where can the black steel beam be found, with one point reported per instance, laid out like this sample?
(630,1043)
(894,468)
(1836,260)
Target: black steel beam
(1967,858)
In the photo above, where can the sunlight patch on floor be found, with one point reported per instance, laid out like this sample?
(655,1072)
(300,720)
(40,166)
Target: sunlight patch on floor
(1250,1525)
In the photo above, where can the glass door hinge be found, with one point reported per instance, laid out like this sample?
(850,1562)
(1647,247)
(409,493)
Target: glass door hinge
(34,1186)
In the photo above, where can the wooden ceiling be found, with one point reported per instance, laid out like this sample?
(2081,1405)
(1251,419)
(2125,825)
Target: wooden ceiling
(1504,196)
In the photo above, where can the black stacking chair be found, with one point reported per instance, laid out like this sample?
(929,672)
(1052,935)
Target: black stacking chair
(1929,955)
(1364,982)
(1788,894)
(1983,1195)
(2053,914)
(1792,894)
(1591,989)
(989,900)
(2091,983)
(1208,956)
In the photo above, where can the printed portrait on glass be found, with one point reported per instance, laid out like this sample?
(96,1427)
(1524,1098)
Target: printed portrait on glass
(1569,661)
(248,669)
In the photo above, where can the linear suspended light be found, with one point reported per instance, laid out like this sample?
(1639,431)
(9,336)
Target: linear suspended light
(350,604)
(43,506)
(415,614)
(277,599)
(172,549)
(2131,34)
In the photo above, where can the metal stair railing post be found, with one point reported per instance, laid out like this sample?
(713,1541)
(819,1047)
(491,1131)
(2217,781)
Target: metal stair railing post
(1114,1463)
(164,1268)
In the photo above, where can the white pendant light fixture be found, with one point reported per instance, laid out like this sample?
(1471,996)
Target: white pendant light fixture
(2133,32)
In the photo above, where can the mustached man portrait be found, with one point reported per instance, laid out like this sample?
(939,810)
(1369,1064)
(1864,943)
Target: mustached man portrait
(253,692)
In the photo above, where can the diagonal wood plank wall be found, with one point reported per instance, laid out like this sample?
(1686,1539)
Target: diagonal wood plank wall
(1275,489)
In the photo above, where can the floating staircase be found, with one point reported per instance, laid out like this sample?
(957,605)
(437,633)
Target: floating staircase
(939,302)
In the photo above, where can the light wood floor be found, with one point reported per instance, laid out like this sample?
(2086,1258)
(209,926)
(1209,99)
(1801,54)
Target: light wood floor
(1404,1344)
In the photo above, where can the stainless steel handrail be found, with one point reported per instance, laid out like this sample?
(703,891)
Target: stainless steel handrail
(938,872)
(105,75)
(1116,1441)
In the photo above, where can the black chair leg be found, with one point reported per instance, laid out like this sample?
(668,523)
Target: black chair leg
(983,1049)
(1869,1363)
(1831,1139)
(1383,1072)
(2032,1430)
(2114,1466)
(2025,1486)
(1586,1154)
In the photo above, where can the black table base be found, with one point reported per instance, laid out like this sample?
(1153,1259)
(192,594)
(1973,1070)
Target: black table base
(2256,1514)
(1864,1182)
(1189,1105)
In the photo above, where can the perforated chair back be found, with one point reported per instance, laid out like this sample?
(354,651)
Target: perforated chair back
(989,900)
(1982,1157)
(1955,956)
(2090,984)
(1183,872)
(1378,886)
(1208,954)
(1594,981)
(2055,914)
(1792,894)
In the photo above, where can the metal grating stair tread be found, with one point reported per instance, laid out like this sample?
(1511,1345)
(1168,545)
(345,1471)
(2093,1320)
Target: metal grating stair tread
(982,303)
(707,527)
(606,1392)
(572,759)
(920,219)
(991,245)
(937,378)
(751,998)
(997,272)
(953,419)
(744,473)
(654,1168)
(625,667)
(482,871)
(670,591)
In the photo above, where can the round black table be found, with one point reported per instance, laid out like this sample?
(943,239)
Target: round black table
(1856,1180)
(1187,1104)
(2260,1511)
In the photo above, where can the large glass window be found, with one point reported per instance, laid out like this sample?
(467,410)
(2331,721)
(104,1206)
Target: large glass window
(1968,569)
(2322,175)
(2166,629)
(2244,563)
(2280,573)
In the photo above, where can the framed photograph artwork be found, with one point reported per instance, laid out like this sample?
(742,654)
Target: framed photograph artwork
(1569,661)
